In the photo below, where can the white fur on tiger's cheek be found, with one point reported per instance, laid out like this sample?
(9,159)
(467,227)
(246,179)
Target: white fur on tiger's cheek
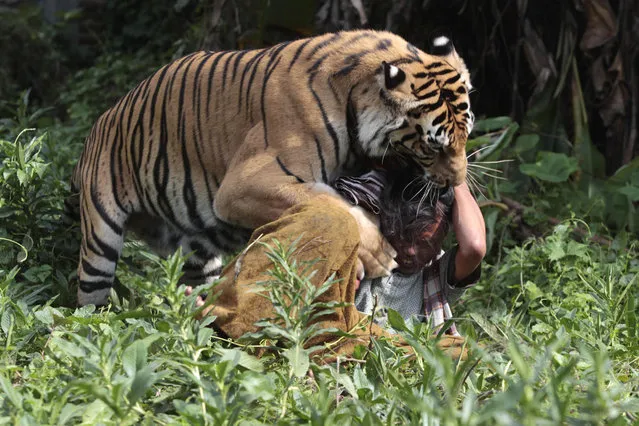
(441,41)
(444,140)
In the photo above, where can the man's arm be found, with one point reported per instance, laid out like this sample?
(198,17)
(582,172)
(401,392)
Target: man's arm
(470,231)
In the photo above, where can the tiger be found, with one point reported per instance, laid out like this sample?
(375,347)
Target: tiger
(215,144)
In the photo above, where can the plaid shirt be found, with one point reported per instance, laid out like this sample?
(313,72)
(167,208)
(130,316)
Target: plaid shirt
(426,294)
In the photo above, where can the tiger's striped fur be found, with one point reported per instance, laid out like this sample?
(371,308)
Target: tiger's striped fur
(214,145)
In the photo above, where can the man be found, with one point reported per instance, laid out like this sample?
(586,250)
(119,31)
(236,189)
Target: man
(329,233)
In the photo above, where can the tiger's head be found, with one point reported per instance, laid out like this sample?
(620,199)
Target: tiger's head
(428,96)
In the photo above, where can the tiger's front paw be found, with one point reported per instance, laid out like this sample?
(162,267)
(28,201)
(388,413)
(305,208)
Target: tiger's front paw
(375,253)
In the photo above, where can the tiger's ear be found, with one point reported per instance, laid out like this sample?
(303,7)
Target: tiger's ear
(440,44)
(393,76)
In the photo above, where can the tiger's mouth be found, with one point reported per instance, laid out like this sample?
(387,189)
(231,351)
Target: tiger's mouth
(437,180)
(407,160)
(434,165)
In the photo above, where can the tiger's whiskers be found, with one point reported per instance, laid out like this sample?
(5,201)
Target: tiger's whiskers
(385,151)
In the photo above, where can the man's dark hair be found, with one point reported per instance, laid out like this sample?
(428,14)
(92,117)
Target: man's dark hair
(410,215)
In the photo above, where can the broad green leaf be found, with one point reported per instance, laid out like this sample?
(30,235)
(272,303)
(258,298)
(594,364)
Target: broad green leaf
(551,167)
(395,320)
(134,358)
(542,328)
(491,124)
(532,290)
(68,412)
(489,327)
(11,392)
(624,173)
(204,335)
(22,255)
(95,411)
(27,242)
(361,380)
(242,358)
(516,356)
(44,315)
(573,248)
(298,358)
(38,274)
(477,142)
(69,348)
(8,211)
(6,320)
(632,192)
(22,177)
(526,142)
(142,382)
(555,251)
(260,386)
(503,141)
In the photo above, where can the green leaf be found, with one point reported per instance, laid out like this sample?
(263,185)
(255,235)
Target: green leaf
(142,382)
(68,412)
(576,249)
(491,124)
(632,192)
(260,386)
(7,211)
(22,177)
(241,358)
(38,274)
(21,160)
(526,142)
(204,335)
(27,242)
(298,358)
(555,250)
(551,167)
(503,141)
(516,356)
(68,348)
(134,358)
(11,393)
(395,320)
(7,319)
(532,290)
(44,315)
(624,173)
(477,142)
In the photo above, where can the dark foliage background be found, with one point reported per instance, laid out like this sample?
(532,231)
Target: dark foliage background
(553,321)
(526,57)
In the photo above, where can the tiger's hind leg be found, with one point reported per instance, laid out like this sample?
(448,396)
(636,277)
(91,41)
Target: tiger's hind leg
(208,249)
(102,241)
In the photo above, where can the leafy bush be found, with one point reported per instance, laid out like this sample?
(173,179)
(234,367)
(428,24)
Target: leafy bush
(31,231)
(147,360)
